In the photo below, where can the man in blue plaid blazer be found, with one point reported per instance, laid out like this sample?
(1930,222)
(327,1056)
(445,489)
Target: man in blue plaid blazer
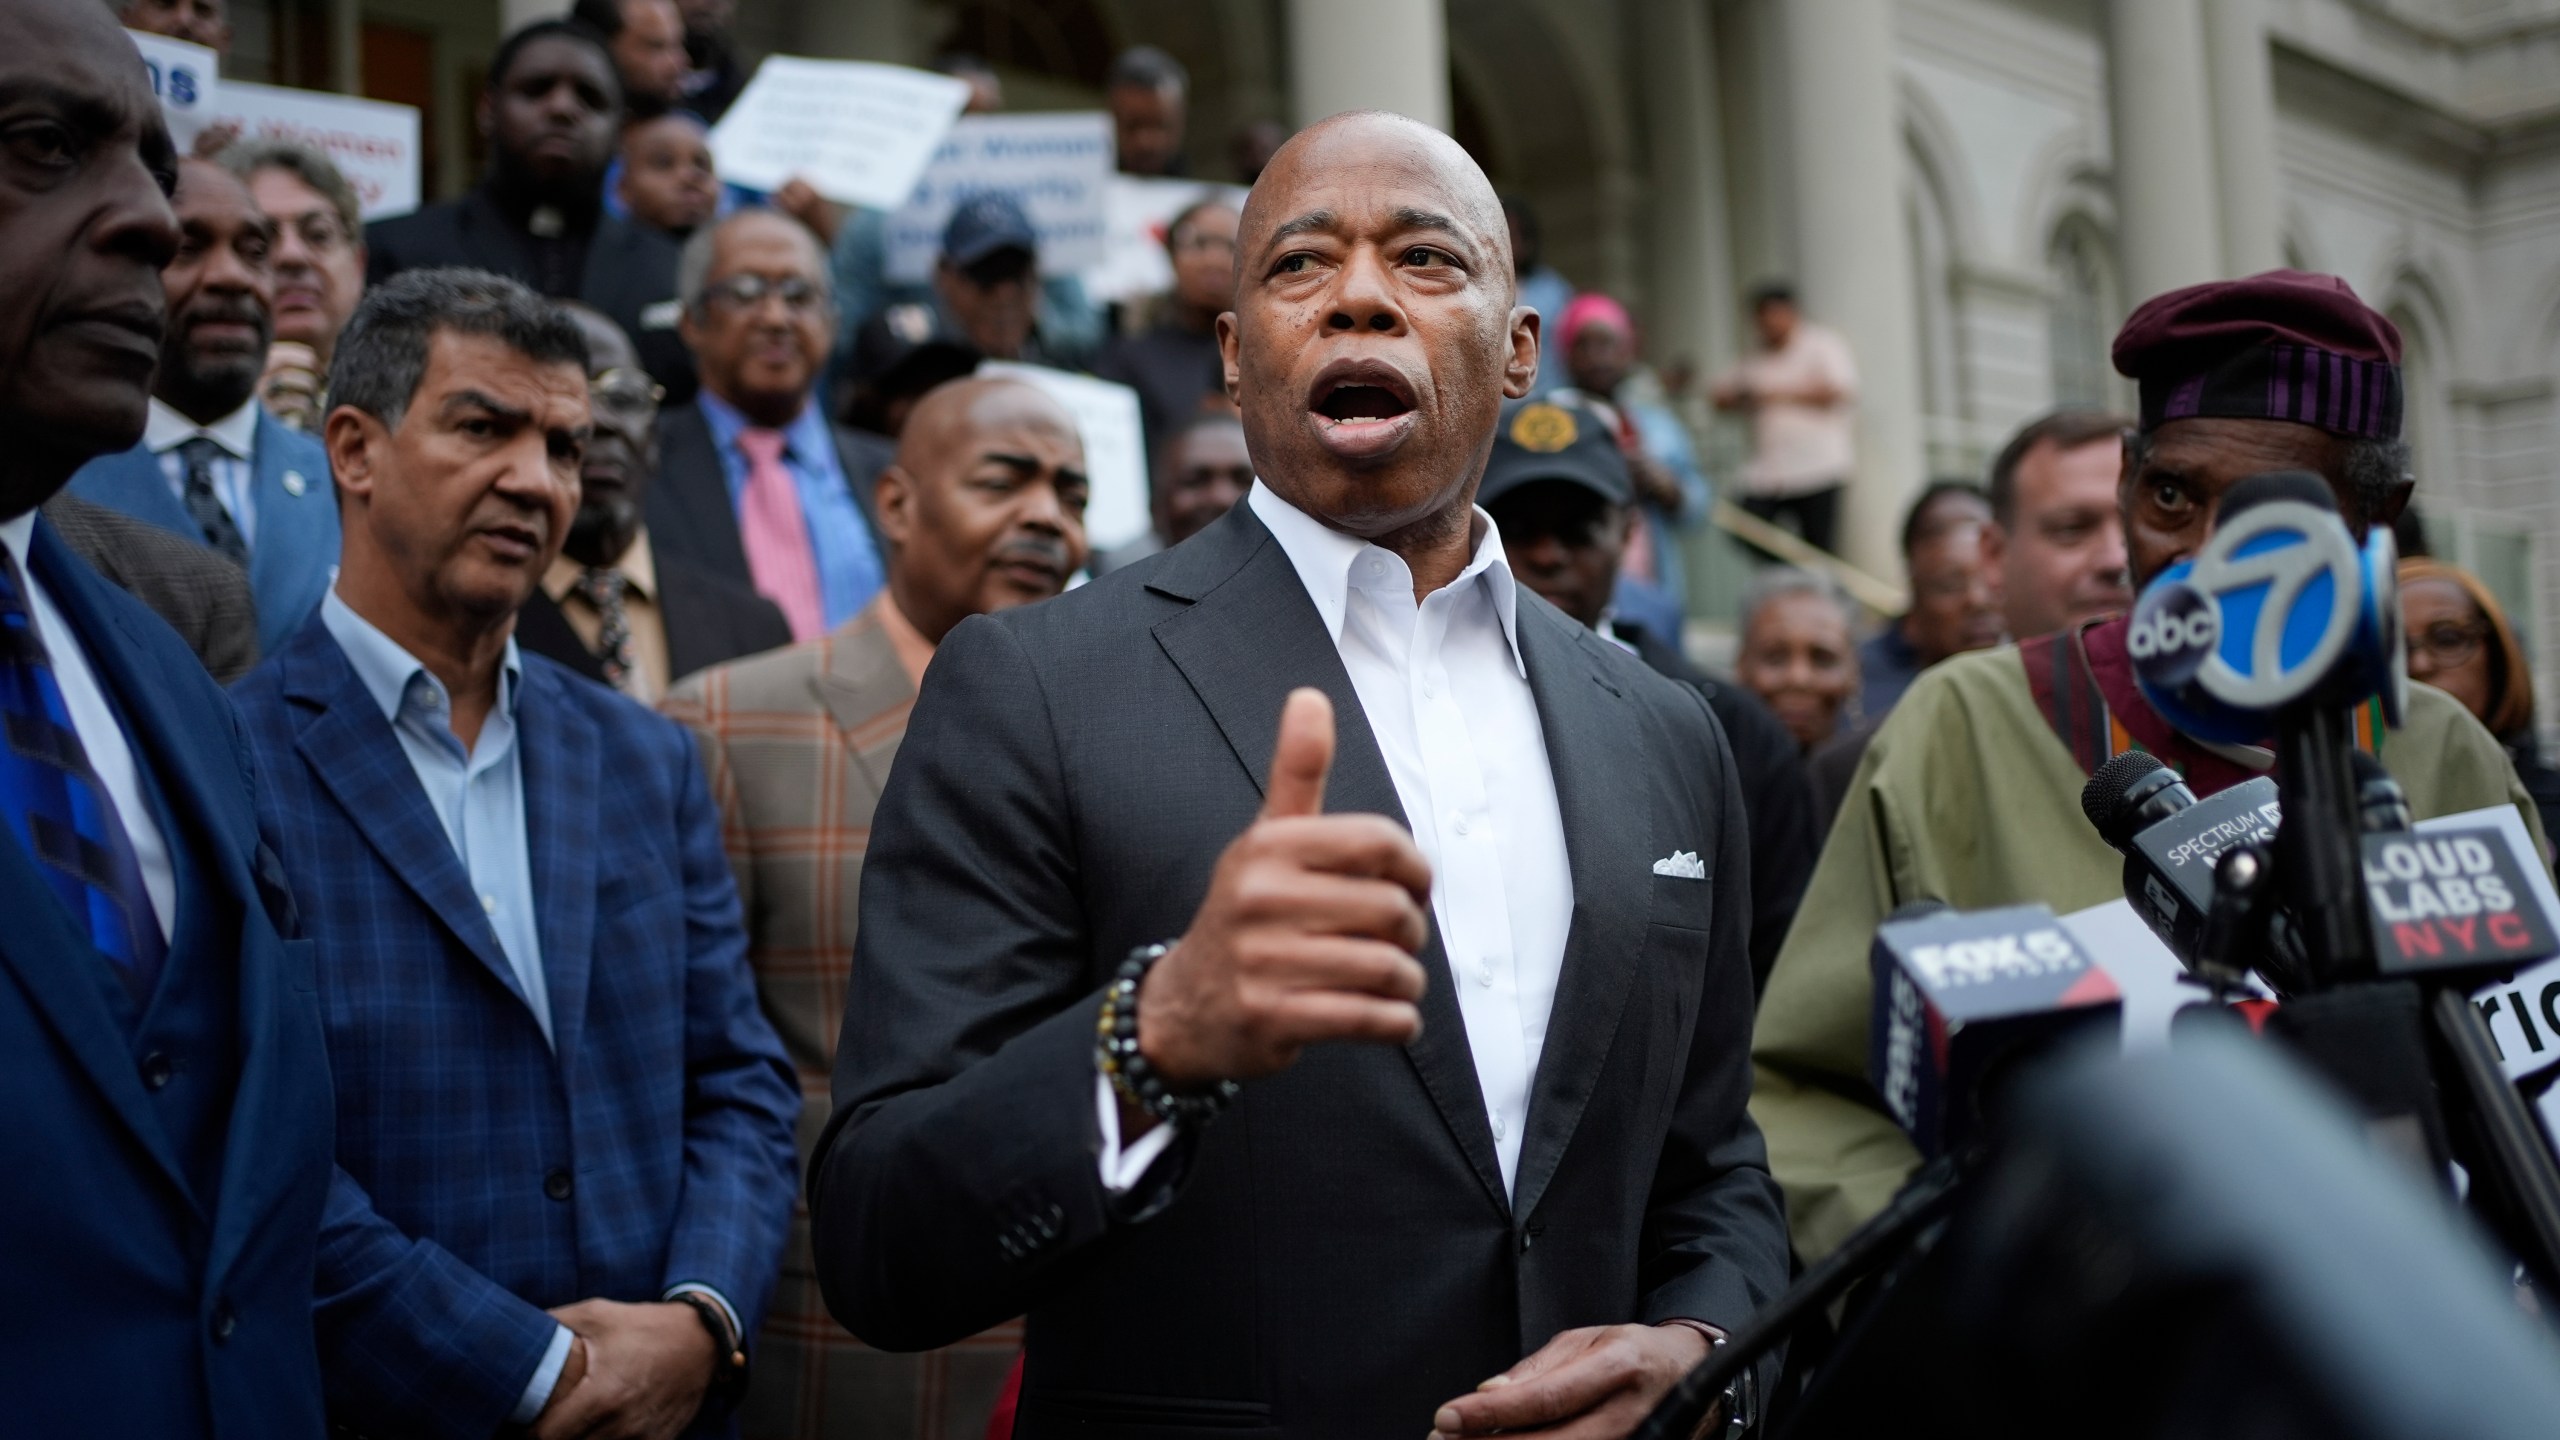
(564,1127)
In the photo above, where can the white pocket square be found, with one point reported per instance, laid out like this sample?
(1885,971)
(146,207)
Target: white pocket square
(1683,863)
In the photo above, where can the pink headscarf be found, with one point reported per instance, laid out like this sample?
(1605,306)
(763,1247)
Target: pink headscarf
(1587,307)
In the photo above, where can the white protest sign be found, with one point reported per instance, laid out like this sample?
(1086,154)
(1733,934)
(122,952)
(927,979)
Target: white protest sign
(1136,210)
(1115,448)
(858,132)
(186,77)
(373,144)
(1057,166)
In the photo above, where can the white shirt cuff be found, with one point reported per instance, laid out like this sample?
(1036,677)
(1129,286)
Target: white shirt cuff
(1121,1168)
(546,1378)
(696,1287)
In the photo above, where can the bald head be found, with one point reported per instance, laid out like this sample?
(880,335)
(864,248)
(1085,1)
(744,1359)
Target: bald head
(1376,331)
(984,509)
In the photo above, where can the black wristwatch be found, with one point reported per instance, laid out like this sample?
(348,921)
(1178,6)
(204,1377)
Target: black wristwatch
(729,1371)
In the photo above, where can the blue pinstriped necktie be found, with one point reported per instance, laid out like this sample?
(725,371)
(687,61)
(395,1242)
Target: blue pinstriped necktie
(57,807)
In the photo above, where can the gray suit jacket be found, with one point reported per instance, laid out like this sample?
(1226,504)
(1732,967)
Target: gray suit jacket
(1336,1255)
(204,597)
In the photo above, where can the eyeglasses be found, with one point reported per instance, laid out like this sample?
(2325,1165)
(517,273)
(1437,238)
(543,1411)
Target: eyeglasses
(1188,244)
(2449,646)
(744,292)
(625,392)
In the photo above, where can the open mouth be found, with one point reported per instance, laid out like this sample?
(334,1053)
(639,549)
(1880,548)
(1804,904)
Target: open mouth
(1363,409)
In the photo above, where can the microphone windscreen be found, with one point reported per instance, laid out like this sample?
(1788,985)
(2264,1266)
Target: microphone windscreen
(2102,799)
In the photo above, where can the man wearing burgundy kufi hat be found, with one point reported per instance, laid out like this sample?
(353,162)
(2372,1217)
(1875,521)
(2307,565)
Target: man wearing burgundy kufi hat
(1970,792)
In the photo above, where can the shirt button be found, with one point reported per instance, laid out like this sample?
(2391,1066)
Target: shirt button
(1428,688)
(1460,823)
(225,1321)
(1484,973)
(157,1070)
(488,904)
(557,1185)
(1499,1129)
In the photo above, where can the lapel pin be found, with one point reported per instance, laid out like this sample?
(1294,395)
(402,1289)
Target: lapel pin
(294,484)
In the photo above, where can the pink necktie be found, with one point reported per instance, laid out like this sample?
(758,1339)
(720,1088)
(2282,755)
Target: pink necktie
(776,538)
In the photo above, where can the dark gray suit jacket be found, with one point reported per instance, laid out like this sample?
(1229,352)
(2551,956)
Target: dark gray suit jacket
(1335,1256)
(691,518)
(204,597)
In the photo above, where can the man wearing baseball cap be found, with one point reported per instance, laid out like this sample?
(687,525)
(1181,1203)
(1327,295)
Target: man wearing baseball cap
(1970,792)
(987,293)
(1558,488)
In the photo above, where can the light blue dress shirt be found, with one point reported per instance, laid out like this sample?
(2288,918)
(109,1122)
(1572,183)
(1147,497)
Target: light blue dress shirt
(478,795)
(849,571)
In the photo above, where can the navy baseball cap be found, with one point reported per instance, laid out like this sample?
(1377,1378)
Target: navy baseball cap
(985,224)
(1543,440)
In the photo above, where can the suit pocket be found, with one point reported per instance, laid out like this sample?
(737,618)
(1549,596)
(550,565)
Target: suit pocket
(302,965)
(1679,900)
(1160,1417)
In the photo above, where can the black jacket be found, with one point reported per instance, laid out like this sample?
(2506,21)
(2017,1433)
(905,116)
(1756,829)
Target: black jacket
(691,517)
(1787,825)
(1336,1255)
(628,270)
(710,620)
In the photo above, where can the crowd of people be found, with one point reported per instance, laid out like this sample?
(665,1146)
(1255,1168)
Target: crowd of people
(577,838)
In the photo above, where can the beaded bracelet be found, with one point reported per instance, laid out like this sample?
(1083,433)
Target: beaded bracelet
(1131,1077)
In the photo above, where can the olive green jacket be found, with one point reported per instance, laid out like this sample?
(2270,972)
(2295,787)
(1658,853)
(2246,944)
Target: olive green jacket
(1967,796)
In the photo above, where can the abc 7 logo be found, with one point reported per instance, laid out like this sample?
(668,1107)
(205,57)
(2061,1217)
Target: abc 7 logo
(2174,628)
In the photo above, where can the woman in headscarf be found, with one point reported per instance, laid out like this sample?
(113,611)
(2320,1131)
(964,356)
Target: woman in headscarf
(2461,642)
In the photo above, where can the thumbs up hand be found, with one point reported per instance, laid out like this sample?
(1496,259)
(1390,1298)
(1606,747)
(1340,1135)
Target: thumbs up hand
(1308,932)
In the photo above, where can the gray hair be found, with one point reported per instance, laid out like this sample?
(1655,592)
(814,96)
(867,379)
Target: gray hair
(382,354)
(693,265)
(2370,469)
(1780,581)
(304,163)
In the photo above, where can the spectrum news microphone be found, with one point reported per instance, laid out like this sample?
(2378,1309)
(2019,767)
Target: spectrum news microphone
(1963,1003)
(2196,870)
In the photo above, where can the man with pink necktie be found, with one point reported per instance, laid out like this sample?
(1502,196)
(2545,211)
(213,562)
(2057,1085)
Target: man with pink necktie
(754,482)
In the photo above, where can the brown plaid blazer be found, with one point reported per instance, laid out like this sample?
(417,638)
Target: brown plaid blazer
(799,742)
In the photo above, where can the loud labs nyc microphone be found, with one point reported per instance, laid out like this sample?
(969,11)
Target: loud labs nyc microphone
(1961,999)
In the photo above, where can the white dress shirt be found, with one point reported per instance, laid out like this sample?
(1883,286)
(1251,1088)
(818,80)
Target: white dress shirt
(234,474)
(1447,696)
(94,721)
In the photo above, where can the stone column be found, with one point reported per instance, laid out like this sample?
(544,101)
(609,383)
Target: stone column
(1369,55)
(2168,219)
(872,30)
(1852,248)
(1691,289)
(346,47)
(2244,135)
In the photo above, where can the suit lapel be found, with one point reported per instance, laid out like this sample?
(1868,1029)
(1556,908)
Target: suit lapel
(350,747)
(41,943)
(557,744)
(1250,636)
(134,483)
(867,693)
(1603,791)
(691,498)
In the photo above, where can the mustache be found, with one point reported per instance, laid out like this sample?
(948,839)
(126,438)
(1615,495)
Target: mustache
(1040,549)
(222,312)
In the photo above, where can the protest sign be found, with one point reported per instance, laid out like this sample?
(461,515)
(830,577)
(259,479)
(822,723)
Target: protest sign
(1115,448)
(858,132)
(1057,166)
(1136,210)
(186,77)
(373,144)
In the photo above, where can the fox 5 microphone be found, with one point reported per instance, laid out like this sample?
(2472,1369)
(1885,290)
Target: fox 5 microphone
(1960,999)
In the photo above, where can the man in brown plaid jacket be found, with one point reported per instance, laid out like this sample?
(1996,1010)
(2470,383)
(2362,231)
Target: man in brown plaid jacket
(983,510)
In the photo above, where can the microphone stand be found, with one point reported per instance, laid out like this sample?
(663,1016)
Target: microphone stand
(2319,872)
(1868,1249)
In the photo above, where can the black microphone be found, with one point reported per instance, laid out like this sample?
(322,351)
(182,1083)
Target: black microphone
(2172,842)
(1961,999)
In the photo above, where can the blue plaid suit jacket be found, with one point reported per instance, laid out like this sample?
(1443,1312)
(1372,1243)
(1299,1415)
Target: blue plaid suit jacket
(482,1177)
